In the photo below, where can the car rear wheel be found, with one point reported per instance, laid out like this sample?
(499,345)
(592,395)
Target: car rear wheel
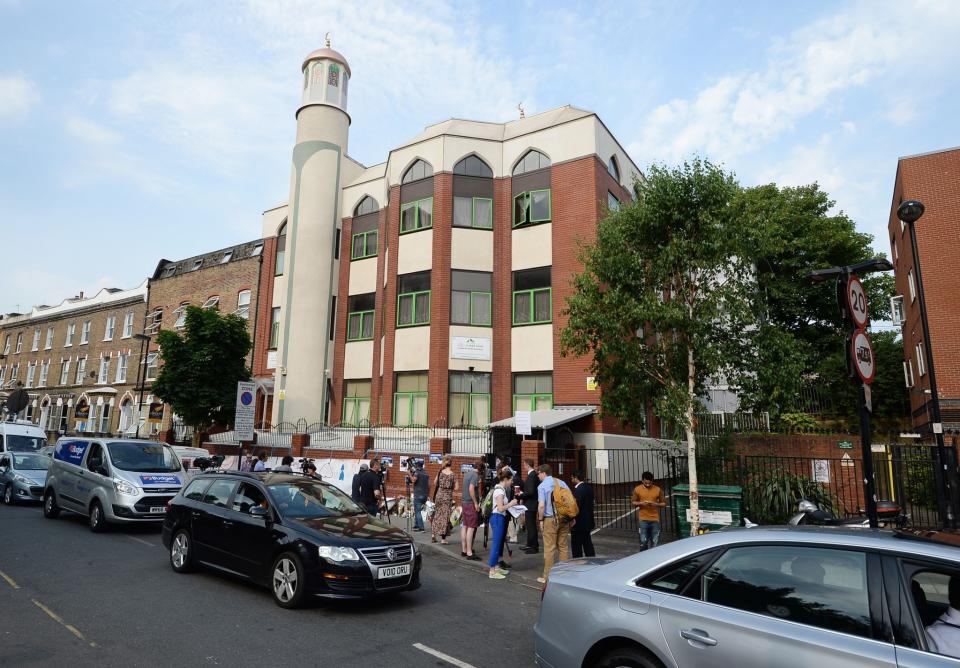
(627,657)
(181,552)
(287,580)
(51,509)
(97,523)
(8,495)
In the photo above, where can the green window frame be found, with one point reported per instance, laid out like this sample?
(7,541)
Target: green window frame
(410,399)
(367,245)
(360,326)
(476,222)
(528,314)
(478,317)
(412,308)
(356,402)
(419,217)
(537,402)
(523,208)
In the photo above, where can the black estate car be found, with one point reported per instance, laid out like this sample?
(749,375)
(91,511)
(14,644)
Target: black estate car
(297,535)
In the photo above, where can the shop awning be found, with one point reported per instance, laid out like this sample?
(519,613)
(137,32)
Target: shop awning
(548,419)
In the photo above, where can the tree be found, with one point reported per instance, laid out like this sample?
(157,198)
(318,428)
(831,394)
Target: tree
(664,300)
(202,366)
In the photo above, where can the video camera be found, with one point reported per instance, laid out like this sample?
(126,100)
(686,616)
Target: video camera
(306,462)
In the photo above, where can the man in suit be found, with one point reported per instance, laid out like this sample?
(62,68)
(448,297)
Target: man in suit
(528,497)
(580,542)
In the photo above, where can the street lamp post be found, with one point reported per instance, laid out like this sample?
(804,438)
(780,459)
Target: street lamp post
(141,379)
(910,212)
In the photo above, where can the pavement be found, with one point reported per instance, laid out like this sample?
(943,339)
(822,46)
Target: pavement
(525,568)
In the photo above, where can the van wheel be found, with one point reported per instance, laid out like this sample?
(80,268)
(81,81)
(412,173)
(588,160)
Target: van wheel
(181,552)
(97,523)
(287,582)
(8,495)
(51,510)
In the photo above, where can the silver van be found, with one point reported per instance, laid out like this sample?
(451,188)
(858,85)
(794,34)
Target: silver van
(111,480)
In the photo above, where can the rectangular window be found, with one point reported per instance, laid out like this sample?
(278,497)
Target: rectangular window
(413,300)
(226,257)
(31,371)
(65,371)
(281,254)
(81,370)
(410,399)
(243,304)
(416,215)
(3,374)
(910,284)
(332,324)
(356,402)
(6,346)
(612,202)
(469,398)
(19,343)
(151,364)
(360,313)
(908,373)
(71,331)
(212,302)
(893,248)
(532,207)
(85,332)
(44,373)
(104,419)
(109,328)
(104,376)
(274,328)
(49,342)
(532,391)
(181,313)
(364,245)
(532,297)
(154,320)
(122,362)
(336,246)
(471,298)
(36,340)
(921,360)
(473,212)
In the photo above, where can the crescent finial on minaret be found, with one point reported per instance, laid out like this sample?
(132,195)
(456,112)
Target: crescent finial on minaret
(327,39)
(520,107)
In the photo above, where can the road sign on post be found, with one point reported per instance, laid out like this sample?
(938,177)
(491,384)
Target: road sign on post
(857,302)
(861,356)
(245,412)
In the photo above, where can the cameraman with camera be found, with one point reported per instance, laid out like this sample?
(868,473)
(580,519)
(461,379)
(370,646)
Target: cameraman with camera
(417,477)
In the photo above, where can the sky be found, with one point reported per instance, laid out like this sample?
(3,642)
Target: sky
(134,131)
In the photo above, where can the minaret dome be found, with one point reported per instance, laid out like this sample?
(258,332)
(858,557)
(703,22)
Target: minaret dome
(325,76)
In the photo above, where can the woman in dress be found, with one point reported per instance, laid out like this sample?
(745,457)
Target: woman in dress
(443,492)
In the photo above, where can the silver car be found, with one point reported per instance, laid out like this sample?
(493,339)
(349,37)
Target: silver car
(816,597)
(22,476)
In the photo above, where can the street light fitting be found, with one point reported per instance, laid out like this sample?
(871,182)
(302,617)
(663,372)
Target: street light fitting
(910,211)
(868,267)
(142,337)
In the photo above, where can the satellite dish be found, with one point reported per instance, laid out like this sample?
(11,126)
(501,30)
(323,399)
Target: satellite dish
(17,401)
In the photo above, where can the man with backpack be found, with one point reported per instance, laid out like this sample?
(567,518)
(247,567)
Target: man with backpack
(556,507)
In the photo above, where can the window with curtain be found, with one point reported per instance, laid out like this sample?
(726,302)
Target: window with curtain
(360,313)
(413,300)
(356,402)
(471,298)
(532,391)
(532,296)
(410,399)
(469,398)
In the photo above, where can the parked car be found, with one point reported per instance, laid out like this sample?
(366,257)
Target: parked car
(111,480)
(753,598)
(21,436)
(295,534)
(22,476)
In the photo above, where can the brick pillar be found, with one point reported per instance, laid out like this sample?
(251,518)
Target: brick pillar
(439,446)
(299,442)
(532,450)
(362,443)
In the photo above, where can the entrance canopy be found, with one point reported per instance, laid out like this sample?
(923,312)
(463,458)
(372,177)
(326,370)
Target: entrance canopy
(548,419)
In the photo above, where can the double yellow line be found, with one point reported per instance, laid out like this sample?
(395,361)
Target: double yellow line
(50,613)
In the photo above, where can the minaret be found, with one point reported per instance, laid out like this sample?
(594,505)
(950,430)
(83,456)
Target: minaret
(322,128)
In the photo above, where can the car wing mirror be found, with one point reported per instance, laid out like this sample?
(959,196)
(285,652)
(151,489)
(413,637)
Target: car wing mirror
(261,512)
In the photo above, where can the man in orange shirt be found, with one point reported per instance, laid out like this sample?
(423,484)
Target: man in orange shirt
(649,499)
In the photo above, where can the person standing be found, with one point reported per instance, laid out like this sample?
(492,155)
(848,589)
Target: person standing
(261,463)
(581,544)
(556,530)
(649,499)
(470,507)
(528,497)
(355,487)
(286,465)
(368,489)
(421,490)
(498,522)
(443,491)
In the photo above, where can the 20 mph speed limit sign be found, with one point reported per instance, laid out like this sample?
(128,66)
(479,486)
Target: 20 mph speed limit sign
(861,353)
(857,302)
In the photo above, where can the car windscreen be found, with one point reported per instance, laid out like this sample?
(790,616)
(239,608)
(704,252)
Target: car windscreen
(143,457)
(309,498)
(30,462)
(18,443)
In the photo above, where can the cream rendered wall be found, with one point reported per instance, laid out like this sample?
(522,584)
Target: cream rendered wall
(363,276)
(532,246)
(356,191)
(560,143)
(607,146)
(415,252)
(357,358)
(456,149)
(531,348)
(411,349)
(271,220)
(430,150)
(477,333)
(471,249)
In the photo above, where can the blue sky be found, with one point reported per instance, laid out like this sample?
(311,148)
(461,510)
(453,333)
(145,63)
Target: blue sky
(134,131)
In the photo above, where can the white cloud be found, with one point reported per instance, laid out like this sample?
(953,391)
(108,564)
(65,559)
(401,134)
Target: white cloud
(18,96)
(90,132)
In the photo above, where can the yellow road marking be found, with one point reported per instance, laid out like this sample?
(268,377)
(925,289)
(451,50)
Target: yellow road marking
(55,617)
(9,580)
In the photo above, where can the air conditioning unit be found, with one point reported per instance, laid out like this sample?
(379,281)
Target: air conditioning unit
(896,311)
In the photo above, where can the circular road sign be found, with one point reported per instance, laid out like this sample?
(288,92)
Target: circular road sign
(857,302)
(861,352)
(246,397)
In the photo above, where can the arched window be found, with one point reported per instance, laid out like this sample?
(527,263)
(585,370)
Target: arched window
(613,167)
(473,166)
(532,161)
(281,249)
(418,170)
(366,205)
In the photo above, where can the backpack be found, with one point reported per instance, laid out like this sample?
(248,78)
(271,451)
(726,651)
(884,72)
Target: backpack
(486,506)
(564,505)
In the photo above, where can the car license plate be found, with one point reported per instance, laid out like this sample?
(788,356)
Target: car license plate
(393,571)
(158,510)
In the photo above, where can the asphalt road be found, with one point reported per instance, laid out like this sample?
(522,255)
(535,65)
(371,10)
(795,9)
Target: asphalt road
(69,597)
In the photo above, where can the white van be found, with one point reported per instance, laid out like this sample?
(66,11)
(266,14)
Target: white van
(21,436)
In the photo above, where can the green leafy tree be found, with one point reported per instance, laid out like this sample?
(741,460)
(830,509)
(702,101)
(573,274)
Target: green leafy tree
(664,300)
(202,366)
